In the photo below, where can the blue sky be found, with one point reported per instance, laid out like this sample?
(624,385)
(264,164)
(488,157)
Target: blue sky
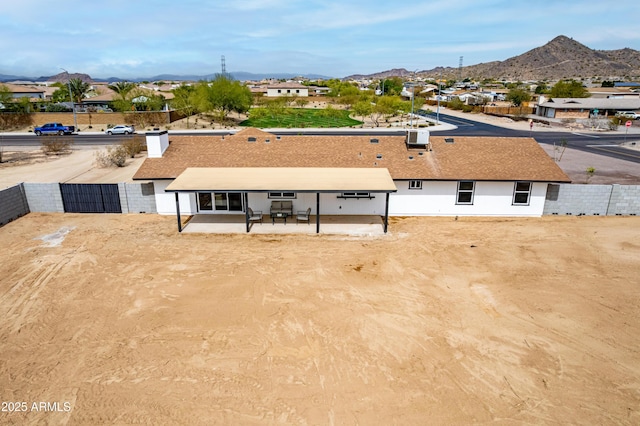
(137,38)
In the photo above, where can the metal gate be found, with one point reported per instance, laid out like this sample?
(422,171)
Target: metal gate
(90,198)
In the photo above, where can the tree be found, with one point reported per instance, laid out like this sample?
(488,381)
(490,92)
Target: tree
(301,102)
(185,100)
(517,96)
(79,89)
(541,88)
(6,97)
(569,89)
(62,94)
(362,109)
(224,95)
(122,88)
(392,86)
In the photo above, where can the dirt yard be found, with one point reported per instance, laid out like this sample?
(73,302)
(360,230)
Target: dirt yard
(120,319)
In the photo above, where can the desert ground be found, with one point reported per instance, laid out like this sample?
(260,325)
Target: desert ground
(118,319)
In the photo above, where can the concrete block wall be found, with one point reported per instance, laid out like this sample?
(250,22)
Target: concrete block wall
(137,197)
(572,199)
(44,197)
(625,200)
(13,204)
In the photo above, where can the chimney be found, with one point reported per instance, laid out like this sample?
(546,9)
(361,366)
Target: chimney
(157,143)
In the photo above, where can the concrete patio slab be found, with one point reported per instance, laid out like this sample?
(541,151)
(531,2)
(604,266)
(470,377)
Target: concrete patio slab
(365,225)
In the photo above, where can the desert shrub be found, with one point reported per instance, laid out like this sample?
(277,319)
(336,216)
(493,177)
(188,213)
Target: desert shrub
(112,156)
(455,104)
(55,145)
(133,145)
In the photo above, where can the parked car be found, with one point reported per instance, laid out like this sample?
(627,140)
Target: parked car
(121,129)
(628,114)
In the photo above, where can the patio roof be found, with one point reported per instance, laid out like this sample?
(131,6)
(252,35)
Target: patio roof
(285,179)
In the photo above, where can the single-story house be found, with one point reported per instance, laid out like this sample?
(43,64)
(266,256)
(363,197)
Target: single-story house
(584,107)
(412,175)
(287,89)
(21,91)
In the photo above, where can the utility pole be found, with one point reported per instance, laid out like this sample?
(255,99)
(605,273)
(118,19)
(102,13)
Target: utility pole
(73,104)
(413,96)
(438,110)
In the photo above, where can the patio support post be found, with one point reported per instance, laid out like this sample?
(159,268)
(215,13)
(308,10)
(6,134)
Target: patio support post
(386,213)
(246,209)
(178,212)
(317,212)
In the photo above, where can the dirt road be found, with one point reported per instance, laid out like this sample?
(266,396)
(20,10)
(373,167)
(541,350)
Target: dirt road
(121,320)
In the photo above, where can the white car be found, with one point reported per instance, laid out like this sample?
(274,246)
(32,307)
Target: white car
(631,115)
(121,129)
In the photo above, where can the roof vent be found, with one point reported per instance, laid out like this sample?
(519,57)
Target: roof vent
(267,141)
(420,153)
(278,137)
(411,157)
(374,140)
(448,140)
(251,139)
(379,156)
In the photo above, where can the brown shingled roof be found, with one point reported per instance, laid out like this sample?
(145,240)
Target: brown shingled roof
(472,158)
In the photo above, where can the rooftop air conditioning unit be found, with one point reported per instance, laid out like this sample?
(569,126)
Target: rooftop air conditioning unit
(418,138)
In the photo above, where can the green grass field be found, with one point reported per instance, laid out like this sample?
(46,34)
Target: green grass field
(296,117)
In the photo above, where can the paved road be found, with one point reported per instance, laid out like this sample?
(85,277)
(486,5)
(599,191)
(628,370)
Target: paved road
(603,144)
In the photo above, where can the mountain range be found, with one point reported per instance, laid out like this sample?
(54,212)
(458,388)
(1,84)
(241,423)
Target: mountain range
(561,58)
(63,77)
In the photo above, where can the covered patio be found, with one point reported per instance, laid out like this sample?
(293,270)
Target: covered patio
(246,180)
(353,225)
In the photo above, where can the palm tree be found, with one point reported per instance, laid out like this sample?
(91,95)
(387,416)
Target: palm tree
(79,89)
(122,88)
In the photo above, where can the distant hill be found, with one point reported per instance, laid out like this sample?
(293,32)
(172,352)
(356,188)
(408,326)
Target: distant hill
(240,75)
(561,58)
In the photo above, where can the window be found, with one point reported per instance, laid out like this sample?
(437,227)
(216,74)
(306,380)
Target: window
(521,193)
(297,91)
(223,201)
(282,195)
(205,202)
(415,184)
(356,195)
(279,91)
(465,192)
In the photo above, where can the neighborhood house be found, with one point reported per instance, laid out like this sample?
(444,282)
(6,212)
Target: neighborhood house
(411,175)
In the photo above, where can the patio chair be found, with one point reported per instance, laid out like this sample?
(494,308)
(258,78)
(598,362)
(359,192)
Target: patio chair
(254,216)
(304,216)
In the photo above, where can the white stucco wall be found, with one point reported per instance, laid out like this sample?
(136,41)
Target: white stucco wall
(436,198)
(272,93)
